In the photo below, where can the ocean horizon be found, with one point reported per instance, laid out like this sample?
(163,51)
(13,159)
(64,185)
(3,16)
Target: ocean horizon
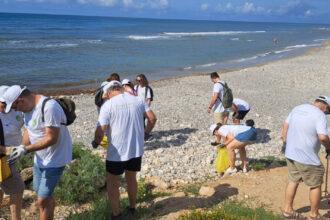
(70,52)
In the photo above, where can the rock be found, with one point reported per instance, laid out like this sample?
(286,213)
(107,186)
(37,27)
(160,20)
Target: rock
(27,174)
(179,194)
(29,194)
(157,182)
(206,191)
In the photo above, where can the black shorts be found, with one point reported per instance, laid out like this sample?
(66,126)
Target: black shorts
(119,167)
(240,115)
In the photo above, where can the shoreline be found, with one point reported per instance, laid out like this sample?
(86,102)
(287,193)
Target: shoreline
(53,91)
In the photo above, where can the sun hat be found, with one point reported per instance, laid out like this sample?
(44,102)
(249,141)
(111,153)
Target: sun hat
(324,98)
(11,95)
(213,127)
(3,89)
(111,84)
(125,82)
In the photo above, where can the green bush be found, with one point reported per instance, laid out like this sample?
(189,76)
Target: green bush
(231,211)
(81,179)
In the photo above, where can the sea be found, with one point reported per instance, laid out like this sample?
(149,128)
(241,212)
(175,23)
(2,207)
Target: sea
(74,52)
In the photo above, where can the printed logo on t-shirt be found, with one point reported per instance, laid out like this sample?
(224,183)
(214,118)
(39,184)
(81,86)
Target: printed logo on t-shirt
(18,118)
(33,123)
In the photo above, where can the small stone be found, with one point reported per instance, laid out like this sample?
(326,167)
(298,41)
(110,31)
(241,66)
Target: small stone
(206,191)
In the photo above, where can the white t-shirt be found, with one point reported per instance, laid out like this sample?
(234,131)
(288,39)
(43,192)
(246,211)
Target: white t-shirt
(218,88)
(241,104)
(302,144)
(12,123)
(124,115)
(234,130)
(141,92)
(57,155)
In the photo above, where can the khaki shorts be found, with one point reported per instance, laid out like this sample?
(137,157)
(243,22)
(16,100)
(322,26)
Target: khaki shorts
(14,184)
(219,116)
(311,175)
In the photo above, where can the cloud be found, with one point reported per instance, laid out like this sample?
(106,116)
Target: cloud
(204,7)
(246,8)
(158,4)
(296,8)
(108,3)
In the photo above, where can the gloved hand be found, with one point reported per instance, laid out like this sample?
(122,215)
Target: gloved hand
(147,136)
(283,148)
(94,144)
(221,145)
(16,153)
(328,154)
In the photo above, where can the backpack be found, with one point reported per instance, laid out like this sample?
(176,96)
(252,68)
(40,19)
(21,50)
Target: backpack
(68,107)
(151,92)
(227,98)
(98,97)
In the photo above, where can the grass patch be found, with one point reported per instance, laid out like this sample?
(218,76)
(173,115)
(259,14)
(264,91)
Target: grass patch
(101,208)
(192,189)
(266,163)
(231,211)
(82,179)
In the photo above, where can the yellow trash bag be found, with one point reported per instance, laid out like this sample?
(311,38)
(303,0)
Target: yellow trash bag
(5,171)
(104,143)
(222,160)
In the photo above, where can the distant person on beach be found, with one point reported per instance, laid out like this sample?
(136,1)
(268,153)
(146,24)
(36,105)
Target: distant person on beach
(143,89)
(219,112)
(235,137)
(128,87)
(303,132)
(47,136)
(124,114)
(11,135)
(240,109)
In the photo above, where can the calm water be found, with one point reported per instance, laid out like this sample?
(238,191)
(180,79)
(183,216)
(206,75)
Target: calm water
(47,50)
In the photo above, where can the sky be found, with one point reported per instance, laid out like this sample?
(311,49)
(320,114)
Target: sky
(303,11)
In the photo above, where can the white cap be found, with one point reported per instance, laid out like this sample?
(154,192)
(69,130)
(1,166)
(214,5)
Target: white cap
(111,84)
(125,82)
(104,83)
(11,95)
(324,98)
(3,89)
(212,127)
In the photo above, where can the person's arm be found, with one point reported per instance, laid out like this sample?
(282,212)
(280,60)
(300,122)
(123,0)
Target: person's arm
(151,117)
(25,138)
(234,108)
(213,100)
(284,132)
(325,141)
(229,138)
(50,138)
(99,133)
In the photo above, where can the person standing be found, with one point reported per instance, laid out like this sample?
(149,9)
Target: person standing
(47,136)
(11,123)
(303,132)
(121,119)
(219,112)
(143,89)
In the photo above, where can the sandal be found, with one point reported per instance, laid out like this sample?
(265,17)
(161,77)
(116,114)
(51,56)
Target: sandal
(292,215)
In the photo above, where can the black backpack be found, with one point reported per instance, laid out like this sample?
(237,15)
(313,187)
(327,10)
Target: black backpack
(68,107)
(98,97)
(151,92)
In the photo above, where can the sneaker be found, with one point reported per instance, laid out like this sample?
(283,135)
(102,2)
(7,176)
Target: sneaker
(245,169)
(230,171)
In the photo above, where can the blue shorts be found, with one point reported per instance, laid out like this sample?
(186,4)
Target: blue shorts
(247,136)
(45,180)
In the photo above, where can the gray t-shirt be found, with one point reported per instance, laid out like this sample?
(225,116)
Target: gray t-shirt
(124,115)
(59,154)
(305,123)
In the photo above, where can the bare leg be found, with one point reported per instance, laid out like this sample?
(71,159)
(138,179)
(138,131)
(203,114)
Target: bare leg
(231,151)
(242,153)
(131,187)
(290,193)
(113,193)
(315,198)
(16,206)
(46,208)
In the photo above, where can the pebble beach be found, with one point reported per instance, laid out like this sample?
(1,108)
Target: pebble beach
(180,151)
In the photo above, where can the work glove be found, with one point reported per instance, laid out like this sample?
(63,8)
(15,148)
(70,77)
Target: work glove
(16,153)
(328,154)
(94,144)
